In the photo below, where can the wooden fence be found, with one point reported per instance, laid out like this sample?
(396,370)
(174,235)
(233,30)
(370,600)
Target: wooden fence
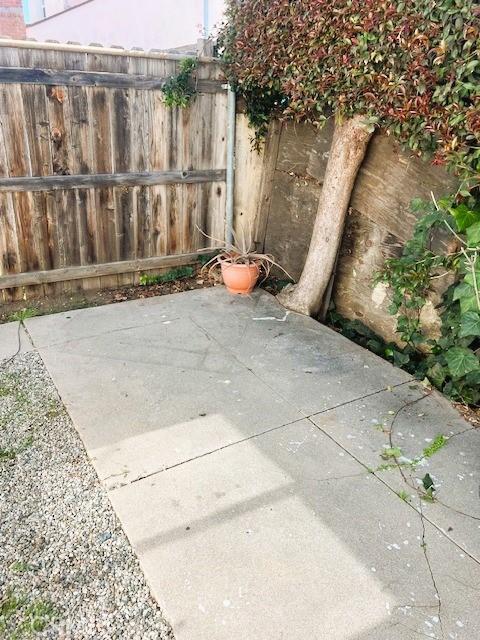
(99,180)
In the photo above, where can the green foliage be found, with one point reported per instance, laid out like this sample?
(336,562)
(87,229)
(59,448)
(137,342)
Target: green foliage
(205,258)
(439,442)
(411,67)
(21,617)
(179,90)
(23,314)
(452,361)
(20,567)
(8,454)
(361,334)
(170,276)
(391,452)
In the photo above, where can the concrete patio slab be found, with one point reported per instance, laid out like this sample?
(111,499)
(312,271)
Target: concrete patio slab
(284,536)
(237,442)
(309,365)
(59,328)
(363,429)
(161,395)
(10,334)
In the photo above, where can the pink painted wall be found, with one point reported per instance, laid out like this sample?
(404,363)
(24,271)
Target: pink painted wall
(150,24)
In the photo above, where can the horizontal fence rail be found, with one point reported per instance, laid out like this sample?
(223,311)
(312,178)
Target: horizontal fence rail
(51,77)
(88,181)
(97,270)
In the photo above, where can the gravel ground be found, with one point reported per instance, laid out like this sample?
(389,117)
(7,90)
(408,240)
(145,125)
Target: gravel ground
(66,567)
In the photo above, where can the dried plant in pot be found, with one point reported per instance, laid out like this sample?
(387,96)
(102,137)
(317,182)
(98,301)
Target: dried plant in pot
(240,265)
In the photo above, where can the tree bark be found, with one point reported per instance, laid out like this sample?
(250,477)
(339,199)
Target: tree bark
(349,146)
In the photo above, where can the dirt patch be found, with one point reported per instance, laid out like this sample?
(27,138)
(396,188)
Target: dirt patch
(471,414)
(82,299)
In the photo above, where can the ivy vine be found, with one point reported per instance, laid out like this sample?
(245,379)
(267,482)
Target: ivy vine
(452,360)
(179,90)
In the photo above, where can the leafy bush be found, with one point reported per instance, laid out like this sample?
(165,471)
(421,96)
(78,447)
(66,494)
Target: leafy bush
(179,90)
(411,66)
(453,361)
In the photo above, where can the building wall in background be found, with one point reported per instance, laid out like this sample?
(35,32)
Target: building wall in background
(12,23)
(36,10)
(150,24)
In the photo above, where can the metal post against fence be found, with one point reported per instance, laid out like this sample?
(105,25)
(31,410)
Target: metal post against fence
(230,164)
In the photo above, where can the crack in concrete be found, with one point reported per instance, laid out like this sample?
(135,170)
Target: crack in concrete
(427,560)
(464,584)
(227,446)
(281,396)
(95,335)
(207,453)
(393,491)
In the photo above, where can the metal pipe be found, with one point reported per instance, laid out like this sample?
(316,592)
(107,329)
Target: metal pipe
(206,19)
(231,107)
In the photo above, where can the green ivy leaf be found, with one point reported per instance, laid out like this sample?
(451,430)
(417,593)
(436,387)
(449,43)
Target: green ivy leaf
(463,290)
(437,374)
(469,324)
(465,293)
(461,361)
(464,216)
(469,304)
(469,277)
(473,234)
(473,379)
(427,482)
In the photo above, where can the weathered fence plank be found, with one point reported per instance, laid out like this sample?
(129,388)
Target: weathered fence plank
(87,271)
(75,78)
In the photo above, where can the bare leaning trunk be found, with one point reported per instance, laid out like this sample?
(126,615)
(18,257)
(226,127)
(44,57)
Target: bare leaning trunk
(350,142)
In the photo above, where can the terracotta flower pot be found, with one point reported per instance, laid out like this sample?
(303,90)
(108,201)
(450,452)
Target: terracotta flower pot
(239,278)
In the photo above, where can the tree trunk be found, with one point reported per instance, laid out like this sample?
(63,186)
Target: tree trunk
(349,145)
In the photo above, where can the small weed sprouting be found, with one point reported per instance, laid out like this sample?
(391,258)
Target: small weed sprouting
(439,442)
(8,384)
(7,454)
(20,618)
(38,614)
(403,495)
(391,452)
(169,276)
(10,453)
(23,314)
(390,466)
(19,567)
(53,410)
